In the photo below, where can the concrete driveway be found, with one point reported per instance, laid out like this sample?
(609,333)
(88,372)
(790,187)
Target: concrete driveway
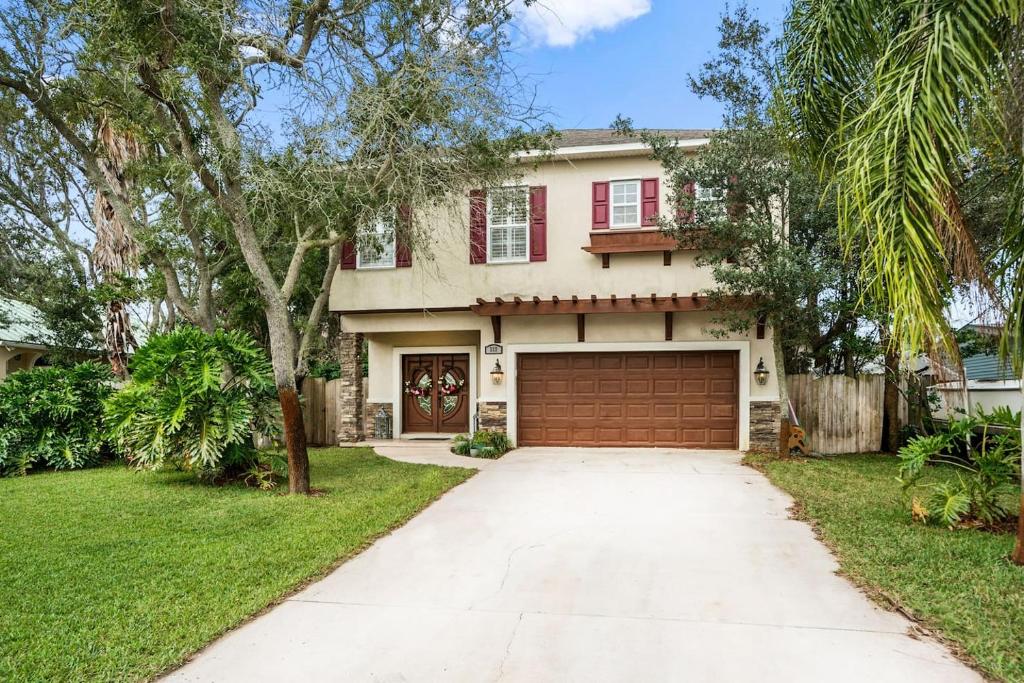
(586,565)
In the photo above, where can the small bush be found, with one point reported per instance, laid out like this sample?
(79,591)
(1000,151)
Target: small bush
(488,444)
(194,401)
(988,470)
(52,417)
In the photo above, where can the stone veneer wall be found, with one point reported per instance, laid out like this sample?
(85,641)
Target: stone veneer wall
(493,415)
(350,389)
(371,416)
(764,425)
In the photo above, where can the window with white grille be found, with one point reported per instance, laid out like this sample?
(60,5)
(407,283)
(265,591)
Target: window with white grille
(376,246)
(625,203)
(508,224)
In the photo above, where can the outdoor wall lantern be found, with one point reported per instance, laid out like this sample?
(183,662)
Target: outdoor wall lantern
(497,374)
(761,372)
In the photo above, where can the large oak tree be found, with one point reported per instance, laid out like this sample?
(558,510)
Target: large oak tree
(295,120)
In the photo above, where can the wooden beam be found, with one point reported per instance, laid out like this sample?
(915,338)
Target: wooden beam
(666,258)
(536,299)
(554,298)
(632,297)
(762,322)
(498,300)
(625,248)
(581,327)
(422,310)
(654,297)
(593,298)
(674,296)
(606,260)
(517,299)
(609,305)
(575,299)
(695,296)
(480,302)
(496,328)
(668,325)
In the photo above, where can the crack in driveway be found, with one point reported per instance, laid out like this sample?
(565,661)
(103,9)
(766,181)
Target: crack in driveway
(508,648)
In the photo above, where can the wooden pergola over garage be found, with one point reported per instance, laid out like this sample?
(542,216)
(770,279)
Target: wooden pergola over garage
(594,305)
(687,398)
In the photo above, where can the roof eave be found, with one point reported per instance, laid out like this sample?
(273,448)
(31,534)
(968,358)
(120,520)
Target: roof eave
(623,149)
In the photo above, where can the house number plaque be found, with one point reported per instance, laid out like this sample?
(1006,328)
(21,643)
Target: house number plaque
(493,349)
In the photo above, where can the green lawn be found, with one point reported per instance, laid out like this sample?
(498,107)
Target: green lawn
(111,574)
(958,583)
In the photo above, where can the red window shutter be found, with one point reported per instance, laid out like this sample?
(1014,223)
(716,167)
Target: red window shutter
(403,254)
(539,223)
(684,215)
(477,226)
(601,206)
(348,255)
(734,201)
(649,201)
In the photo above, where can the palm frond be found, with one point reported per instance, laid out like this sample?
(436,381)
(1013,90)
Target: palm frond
(887,94)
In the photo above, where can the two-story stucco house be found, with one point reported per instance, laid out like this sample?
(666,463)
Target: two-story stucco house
(556,311)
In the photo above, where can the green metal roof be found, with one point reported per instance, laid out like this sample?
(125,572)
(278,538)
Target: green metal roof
(987,368)
(21,323)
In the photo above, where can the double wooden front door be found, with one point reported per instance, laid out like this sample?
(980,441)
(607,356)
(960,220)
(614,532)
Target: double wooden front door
(435,393)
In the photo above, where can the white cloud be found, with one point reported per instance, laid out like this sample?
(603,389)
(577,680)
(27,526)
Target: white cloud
(560,23)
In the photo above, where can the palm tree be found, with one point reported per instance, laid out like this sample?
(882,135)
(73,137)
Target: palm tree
(893,98)
(116,254)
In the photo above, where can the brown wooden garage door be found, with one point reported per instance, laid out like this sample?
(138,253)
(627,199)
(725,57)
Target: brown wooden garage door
(663,398)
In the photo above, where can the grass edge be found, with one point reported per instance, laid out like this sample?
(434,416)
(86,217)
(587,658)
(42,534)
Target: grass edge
(921,626)
(319,574)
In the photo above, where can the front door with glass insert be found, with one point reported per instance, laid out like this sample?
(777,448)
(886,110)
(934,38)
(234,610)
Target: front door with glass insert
(435,393)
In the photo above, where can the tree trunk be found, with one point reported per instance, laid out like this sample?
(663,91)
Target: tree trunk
(891,402)
(780,375)
(118,337)
(295,440)
(282,356)
(1018,550)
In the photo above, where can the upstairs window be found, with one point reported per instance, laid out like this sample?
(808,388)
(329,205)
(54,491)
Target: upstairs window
(376,246)
(508,224)
(709,193)
(625,203)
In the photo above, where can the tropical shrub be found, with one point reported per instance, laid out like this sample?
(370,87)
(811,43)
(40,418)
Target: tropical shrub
(487,442)
(195,401)
(53,417)
(987,462)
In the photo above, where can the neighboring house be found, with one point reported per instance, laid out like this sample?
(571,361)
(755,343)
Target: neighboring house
(554,310)
(991,383)
(24,336)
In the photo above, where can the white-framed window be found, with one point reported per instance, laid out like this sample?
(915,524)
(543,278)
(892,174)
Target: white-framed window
(709,193)
(376,246)
(625,203)
(508,224)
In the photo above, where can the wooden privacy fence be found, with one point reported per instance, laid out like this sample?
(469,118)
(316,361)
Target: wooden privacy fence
(840,414)
(320,410)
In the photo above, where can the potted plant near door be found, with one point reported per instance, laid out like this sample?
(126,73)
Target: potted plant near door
(482,444)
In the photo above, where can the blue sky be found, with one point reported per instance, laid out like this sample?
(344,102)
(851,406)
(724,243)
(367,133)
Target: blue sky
(594,59)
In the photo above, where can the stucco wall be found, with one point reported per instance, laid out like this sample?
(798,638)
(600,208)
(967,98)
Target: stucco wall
(14,358)
(988,397)
(441,275)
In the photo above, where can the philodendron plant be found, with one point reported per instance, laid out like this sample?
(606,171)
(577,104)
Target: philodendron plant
(987,463)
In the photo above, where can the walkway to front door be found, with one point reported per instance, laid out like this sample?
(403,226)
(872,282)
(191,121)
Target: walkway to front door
(578,564)
(435,393)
